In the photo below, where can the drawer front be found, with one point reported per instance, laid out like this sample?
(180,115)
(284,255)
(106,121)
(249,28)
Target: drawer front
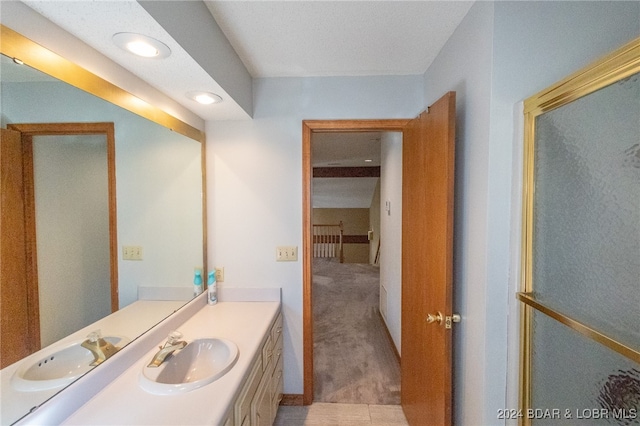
(276,330)
(267,354)
(242,411)
(276,378)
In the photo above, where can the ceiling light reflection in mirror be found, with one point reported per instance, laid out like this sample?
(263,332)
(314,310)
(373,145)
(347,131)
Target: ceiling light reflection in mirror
(159,178)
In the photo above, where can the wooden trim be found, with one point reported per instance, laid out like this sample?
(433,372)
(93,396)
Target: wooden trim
(33,297)
(332,126)
(203,158)
(355,239)
(113,215)
(309,127)
(29,130)
(346,172)
(289,399)
(15,292)
(307,277)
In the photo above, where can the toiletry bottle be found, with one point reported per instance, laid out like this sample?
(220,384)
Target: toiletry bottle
(212,289)
(197,282)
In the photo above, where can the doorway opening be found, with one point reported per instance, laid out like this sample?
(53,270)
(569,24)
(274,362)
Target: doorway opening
(356,282)
(309,129)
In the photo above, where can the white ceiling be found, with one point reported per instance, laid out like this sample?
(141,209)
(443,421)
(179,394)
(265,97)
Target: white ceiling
(95,23)
(345,149)
(273,39)
(281,39)
(330,38)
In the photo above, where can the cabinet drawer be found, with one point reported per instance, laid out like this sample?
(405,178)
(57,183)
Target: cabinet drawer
(276,378)
(276,330)
(267,354)
(242,409)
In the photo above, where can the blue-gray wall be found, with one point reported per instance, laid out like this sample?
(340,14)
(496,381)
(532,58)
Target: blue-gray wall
(501,54)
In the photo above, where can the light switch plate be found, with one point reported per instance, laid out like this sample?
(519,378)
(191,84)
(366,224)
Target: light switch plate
(131,253)
(286,253)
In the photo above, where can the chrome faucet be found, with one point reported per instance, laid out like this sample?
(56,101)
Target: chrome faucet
(100,348)
(172,344)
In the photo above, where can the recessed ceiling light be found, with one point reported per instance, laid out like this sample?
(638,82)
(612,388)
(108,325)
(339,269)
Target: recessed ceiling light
(204,98)
(18,61)
(141,45)
(368,161)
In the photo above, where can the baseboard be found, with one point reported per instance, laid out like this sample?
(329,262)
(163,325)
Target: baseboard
(292,399)
(386,330)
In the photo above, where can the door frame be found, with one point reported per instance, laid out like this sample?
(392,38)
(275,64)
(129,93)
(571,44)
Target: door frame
(28,131)
(308,128)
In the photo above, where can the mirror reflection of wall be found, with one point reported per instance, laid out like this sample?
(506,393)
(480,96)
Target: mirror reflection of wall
(158,184)
(158,204)
(72,223)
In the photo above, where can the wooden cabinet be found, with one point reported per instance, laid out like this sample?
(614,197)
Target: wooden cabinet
(257,403)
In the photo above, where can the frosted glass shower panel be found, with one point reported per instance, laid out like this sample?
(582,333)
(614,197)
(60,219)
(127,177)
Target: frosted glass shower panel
(577,381)
(587,210)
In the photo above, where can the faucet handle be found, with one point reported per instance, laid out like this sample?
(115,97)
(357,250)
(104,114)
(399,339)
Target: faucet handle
(174,337)
(94,336)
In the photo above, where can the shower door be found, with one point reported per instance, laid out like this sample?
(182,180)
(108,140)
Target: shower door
(580,348)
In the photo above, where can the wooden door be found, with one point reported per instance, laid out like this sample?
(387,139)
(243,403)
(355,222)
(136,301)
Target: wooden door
(15,299)
(427,264)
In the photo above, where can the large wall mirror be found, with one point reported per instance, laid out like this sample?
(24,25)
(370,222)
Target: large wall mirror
(138,185)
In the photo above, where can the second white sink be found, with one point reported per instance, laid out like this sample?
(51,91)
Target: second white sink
(201,362)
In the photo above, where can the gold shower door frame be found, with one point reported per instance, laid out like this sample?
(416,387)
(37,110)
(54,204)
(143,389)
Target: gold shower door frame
(616,66)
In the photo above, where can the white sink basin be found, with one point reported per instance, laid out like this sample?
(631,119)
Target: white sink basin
(58,366)
(201,362)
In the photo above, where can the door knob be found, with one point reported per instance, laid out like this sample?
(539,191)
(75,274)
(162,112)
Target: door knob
(438,318)
(431,318)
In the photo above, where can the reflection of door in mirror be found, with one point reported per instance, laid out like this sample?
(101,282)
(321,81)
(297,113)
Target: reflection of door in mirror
(67,186)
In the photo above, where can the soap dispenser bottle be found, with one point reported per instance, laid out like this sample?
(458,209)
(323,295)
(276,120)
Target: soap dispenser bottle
(197,282)
(212,289)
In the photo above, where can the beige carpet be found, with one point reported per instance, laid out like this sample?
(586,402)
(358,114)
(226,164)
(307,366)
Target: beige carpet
(354,361)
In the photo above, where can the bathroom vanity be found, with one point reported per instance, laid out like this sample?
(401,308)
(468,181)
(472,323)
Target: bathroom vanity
(247,394)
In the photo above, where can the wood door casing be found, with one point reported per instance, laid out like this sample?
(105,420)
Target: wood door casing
(18,339)
(309,127)
(28,131)
(20,312)
(427,263)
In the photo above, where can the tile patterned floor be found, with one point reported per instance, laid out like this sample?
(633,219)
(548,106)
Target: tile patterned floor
(327,414)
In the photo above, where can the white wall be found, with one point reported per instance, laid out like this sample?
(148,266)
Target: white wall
(501,54)
(254,181)
(391,230)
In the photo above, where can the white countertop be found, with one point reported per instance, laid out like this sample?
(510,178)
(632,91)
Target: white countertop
(124,402)
(130,321)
